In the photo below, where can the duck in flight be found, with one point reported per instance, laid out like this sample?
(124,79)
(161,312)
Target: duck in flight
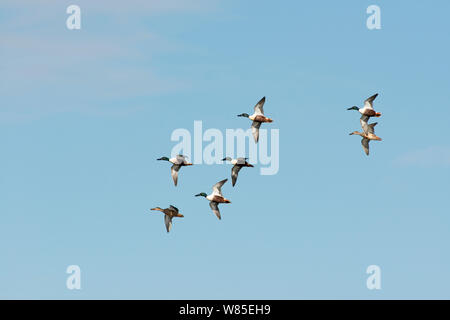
(215,197)
(367,109)
(178,162)
(258,117)
(237,166)
(367,134)
(169,213)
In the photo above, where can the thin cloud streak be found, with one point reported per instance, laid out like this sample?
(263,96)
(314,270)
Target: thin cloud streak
(433,156)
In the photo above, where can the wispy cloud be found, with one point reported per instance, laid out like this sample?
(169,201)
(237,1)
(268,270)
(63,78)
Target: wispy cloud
(433,156)
(47,68)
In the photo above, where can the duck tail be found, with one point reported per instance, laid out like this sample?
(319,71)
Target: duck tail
(378,114)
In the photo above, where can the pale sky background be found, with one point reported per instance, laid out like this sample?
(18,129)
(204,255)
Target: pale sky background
(85,113)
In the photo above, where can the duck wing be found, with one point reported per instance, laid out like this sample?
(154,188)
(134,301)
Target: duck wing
(371,128)
(259,107)
(174,208)
(364,125)
(365,145)
(174,171)
(255,130)
(217,188)
(181,159)
(234,173)
(369,101)
(168,222)
(215,208)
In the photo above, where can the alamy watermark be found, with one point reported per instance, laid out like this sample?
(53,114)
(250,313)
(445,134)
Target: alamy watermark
(374,280)
(74,280)
(232,145)
(374,20)
(73,22)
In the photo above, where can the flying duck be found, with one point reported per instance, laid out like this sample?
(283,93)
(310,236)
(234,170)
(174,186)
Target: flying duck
(169,213)
(178,162)
(215,197)
(367,134)
(257,118)
(367,110)
(237,166)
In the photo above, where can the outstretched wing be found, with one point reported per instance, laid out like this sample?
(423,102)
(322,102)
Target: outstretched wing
(217,188)
(234,174)
(364,125)
(255,130)
(174,170)
(365,145)
(215,208)
(259,107)
(368,103)
(174,208)
(168,222)
(371,128)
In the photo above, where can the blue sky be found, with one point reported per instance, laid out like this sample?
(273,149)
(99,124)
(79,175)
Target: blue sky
(85,113)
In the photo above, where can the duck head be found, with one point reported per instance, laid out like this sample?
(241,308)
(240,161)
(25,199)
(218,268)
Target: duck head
(202,194)
(353,108)
(226,159)
(163,158)
(243,115)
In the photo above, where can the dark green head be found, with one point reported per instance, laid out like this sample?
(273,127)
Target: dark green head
(202,194)
(163,158)
(353,108)
(243,115)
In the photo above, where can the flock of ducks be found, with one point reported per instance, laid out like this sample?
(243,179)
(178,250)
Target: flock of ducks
(257,118)
(368,133)
(216,197)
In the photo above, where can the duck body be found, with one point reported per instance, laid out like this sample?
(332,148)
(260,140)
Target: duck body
(217,198)
(369,112)
(260,118)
